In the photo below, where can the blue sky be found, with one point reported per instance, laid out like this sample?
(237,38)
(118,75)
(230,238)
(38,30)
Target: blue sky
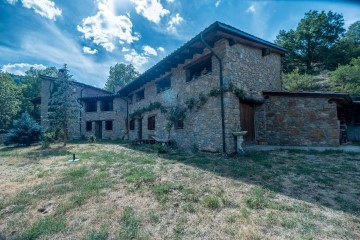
(92,35)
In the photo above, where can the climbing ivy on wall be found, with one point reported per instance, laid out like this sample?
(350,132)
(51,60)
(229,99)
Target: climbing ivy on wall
(177,113)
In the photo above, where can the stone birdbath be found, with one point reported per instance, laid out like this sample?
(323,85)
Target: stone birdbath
(239,141)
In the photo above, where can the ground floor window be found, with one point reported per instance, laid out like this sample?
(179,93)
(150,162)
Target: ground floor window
(109,125)
(132,124)
(88,126)
(151,123)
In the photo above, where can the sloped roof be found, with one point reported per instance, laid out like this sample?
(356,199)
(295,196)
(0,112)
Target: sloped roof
(78,84)
(211,34)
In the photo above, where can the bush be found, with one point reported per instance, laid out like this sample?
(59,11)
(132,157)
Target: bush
(92,139)
(25,131)
(295,81)
(346,78)
(47,139)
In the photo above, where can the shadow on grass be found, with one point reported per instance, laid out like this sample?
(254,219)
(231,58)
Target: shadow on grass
(327,178)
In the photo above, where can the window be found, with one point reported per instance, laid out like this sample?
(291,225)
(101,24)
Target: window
(109,125)
(130,99)
(179,124)
(163,85)
(132,124)
(199,68)
(140,95)
(151,123)
(107,105)
(88,126)
(91,106)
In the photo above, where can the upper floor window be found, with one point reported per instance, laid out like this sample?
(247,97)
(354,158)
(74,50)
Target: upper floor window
(163,84)
(201,67)
(107,105)
(179,124)
(151,123)
(91,106)
(140,95)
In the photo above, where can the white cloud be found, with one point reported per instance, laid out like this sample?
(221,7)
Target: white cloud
(20,68)
(161,49)
(170,1)
(12,2)
(138,60)
(44,8)
(217,3)
(105,28)
(251,9)
(174,21)
(152,10)
(89,50)
(125,49)
(149,50)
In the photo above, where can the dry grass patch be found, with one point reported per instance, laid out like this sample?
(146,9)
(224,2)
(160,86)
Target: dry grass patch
(125,191)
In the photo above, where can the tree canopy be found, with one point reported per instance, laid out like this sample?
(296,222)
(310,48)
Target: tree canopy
(311,42)
(120,74)
(9,101)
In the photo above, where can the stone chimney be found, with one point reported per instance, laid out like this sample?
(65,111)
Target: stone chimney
(62,73)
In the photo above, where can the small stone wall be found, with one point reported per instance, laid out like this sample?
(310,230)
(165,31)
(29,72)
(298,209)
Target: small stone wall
(298,121)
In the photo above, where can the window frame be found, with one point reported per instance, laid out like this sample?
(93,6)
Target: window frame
(107,128)
(151,124)
(88,123)
(91,109)
(194,70)
(179,126)
(161,82)
(132,124)
(109,105)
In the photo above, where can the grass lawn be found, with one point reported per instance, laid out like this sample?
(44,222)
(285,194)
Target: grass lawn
(125,191)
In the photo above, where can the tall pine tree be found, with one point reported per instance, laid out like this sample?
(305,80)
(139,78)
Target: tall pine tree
(64,108)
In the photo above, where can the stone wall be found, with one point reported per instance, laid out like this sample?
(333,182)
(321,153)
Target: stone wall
(242,65)
(117,116)
(76,126)
(298,121)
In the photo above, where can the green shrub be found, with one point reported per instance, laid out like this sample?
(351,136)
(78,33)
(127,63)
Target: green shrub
(25,131)
(92,139)
(211,202)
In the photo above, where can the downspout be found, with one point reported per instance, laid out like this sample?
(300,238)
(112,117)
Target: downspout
(221,92)
(127,116)
(81,94)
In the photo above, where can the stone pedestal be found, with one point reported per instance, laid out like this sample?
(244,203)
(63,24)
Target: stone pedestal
(239,141)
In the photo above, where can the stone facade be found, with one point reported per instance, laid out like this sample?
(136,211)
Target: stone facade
(298,121)
(244,66)
(77,128)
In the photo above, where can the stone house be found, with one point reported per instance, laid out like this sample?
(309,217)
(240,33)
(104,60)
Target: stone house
(102,114)
(219,82)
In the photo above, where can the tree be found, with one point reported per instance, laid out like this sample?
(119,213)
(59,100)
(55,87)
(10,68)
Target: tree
(64,108)
(120,74)
(9,101)
(25,131)
(31,86)
(311,42)
(346,78)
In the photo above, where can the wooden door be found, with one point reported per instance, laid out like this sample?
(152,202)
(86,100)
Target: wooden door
(98,130)
(247,121)
(140,128)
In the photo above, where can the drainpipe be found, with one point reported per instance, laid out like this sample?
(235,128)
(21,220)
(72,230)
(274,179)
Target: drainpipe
(221,92)
(81,94)
(127,116)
